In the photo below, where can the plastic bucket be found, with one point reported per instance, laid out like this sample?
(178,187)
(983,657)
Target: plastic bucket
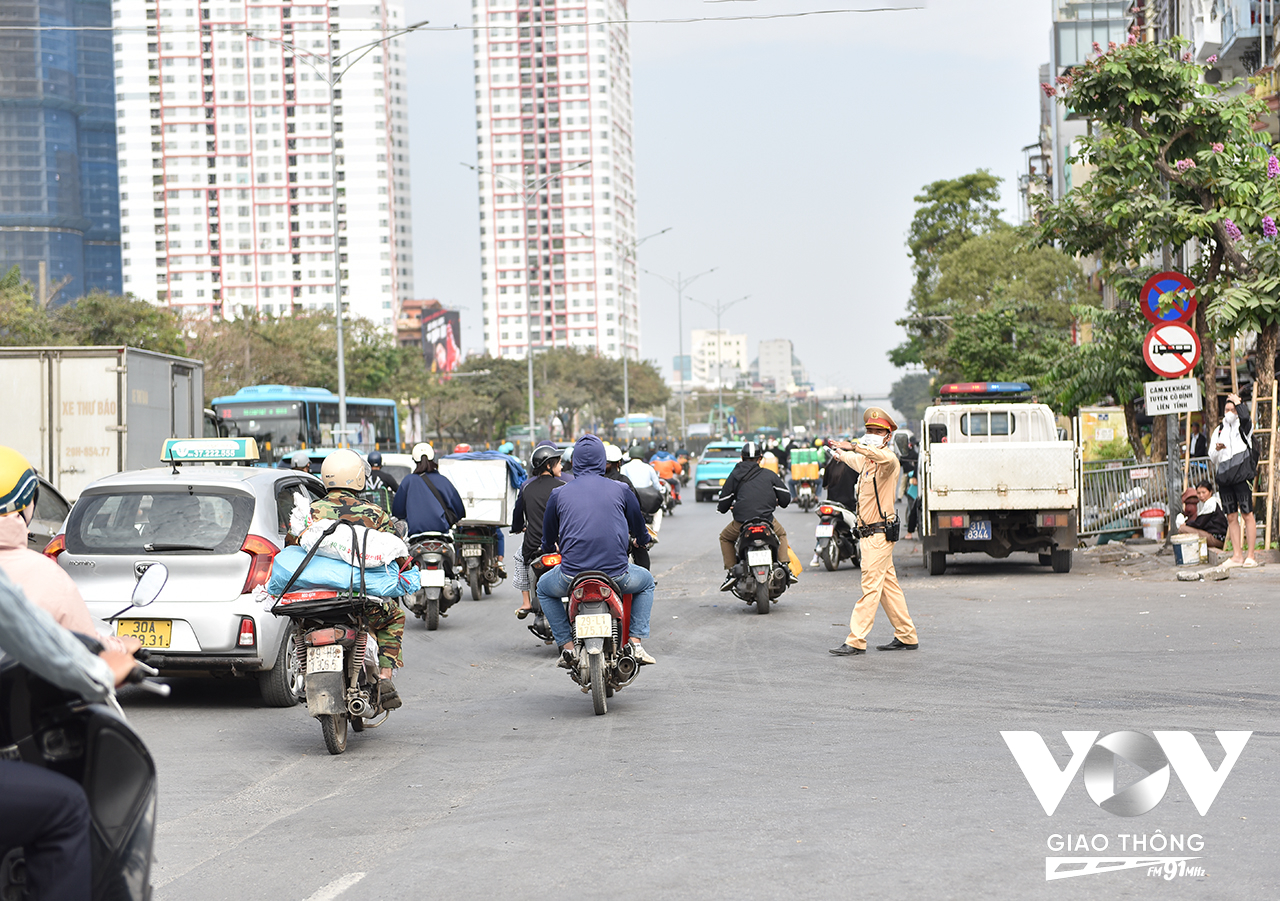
(1186,550)
(1152,521)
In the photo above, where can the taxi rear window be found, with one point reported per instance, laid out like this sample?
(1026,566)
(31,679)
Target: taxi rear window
(142,520)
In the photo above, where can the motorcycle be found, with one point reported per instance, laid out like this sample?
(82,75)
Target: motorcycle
(600,614)
(433,552)
(670,495)
(836,539)
(761,577)
(806,493)
(684,468)
(339,655)
(94,745)
(478,548)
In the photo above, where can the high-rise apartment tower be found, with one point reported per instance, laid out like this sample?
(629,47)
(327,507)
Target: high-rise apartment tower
(556,176)
(223,125)
(58,203)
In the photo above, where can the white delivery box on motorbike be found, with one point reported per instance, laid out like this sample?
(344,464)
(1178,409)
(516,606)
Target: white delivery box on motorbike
(485,487)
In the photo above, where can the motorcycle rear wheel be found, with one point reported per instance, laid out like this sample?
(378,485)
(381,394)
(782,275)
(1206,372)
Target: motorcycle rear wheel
(473,579)
(831,556)
(762,597)
(595,665)
(334,727)
(433,614)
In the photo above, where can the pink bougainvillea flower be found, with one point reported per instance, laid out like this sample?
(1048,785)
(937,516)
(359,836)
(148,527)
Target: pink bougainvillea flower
(1273,167)
(1049,90)
(1233,230)
(1133,39)
(1269,229)
(1111,45)
(1184,165)
(1213,59)
(1097,48)
(1217,148)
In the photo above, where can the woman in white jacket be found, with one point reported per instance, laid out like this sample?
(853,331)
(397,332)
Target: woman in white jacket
(1230,453)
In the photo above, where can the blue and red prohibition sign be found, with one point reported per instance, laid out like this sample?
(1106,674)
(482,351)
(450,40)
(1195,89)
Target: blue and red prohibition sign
(1184,303)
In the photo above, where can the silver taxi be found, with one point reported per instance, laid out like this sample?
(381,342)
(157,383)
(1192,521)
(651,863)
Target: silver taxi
(217,529)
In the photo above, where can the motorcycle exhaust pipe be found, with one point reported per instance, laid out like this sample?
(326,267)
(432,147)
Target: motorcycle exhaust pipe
(358,706)
(626,667)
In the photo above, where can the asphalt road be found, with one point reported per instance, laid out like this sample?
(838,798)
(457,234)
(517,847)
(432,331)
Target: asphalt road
(748,763)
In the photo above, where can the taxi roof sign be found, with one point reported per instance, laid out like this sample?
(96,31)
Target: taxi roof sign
(209,450)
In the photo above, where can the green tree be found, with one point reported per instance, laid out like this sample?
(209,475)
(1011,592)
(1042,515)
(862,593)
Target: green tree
(1108,367)
(109,319)
(950,212)
(22,322)
(910,394)
(1176,160)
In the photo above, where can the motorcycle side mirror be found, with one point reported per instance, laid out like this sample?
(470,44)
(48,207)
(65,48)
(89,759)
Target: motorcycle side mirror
(149,585)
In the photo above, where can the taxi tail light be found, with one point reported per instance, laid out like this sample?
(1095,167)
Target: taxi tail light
(248,634)
(262,553)
(55,547)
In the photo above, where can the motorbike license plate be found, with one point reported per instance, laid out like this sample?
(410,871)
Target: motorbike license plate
(593,625)
(978,531)
(472,551)
(325,659)
(433,578)
(153,633)
(759,558)
(824,531)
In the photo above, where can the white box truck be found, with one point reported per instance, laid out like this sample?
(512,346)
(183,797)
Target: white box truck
(80,413)
(996,478)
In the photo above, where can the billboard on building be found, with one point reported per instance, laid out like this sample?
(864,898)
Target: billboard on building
(442,340)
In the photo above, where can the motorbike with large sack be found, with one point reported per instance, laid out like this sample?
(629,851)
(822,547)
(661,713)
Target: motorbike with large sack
(337,650)
(435,556)
(836,539)
(600,615)
(93,745)
(762,578)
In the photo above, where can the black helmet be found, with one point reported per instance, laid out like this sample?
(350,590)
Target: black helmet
(544,456)
(375,458)
(751,451)
(662,445)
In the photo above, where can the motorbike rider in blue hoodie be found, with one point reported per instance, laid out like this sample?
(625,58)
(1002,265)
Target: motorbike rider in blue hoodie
(592,521)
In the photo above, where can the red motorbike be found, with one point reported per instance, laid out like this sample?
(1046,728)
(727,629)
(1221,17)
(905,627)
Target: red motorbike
(600,614)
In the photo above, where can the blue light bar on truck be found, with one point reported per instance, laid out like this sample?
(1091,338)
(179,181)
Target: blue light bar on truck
(984,389)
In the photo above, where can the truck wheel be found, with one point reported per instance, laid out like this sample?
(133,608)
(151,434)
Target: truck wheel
(1046,559)
(935,562)
(1062,560)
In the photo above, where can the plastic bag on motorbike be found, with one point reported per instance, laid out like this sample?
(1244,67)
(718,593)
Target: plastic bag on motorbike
(327,573)
(372,548)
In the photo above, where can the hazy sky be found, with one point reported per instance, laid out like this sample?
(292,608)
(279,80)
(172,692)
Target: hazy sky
(784,152)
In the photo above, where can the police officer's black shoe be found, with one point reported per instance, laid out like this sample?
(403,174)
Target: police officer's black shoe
(896,645)
(847,650)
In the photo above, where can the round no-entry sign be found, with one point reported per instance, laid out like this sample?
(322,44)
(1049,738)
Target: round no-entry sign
(1184,305)
(1171,349)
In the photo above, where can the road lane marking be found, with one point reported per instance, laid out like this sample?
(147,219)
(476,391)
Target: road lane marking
(336,888)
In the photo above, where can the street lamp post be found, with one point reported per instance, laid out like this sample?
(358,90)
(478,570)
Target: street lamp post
(331,75)
(680,283)
(527,190)
(719,309)
(628,252)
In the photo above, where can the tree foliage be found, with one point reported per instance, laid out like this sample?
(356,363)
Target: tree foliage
(1175,160)
(910,394)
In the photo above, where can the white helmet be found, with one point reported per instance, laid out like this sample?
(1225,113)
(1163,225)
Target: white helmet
(344,469)
(612,453)
(422,451)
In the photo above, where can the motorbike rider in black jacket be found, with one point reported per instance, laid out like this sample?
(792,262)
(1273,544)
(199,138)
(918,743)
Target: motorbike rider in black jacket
(752,492)
(527,515)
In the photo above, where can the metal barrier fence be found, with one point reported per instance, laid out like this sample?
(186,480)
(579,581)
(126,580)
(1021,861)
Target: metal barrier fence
(1112,498)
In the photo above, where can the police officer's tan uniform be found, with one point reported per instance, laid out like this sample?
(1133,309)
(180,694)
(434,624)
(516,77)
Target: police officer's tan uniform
(877,468)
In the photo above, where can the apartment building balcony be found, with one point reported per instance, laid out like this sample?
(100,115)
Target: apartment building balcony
(1079,24)
(1241,34)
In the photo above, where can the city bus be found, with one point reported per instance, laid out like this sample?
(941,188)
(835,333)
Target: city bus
(286,418)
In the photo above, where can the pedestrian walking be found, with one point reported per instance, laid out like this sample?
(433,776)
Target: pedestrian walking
(878,468)
(1231,453)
